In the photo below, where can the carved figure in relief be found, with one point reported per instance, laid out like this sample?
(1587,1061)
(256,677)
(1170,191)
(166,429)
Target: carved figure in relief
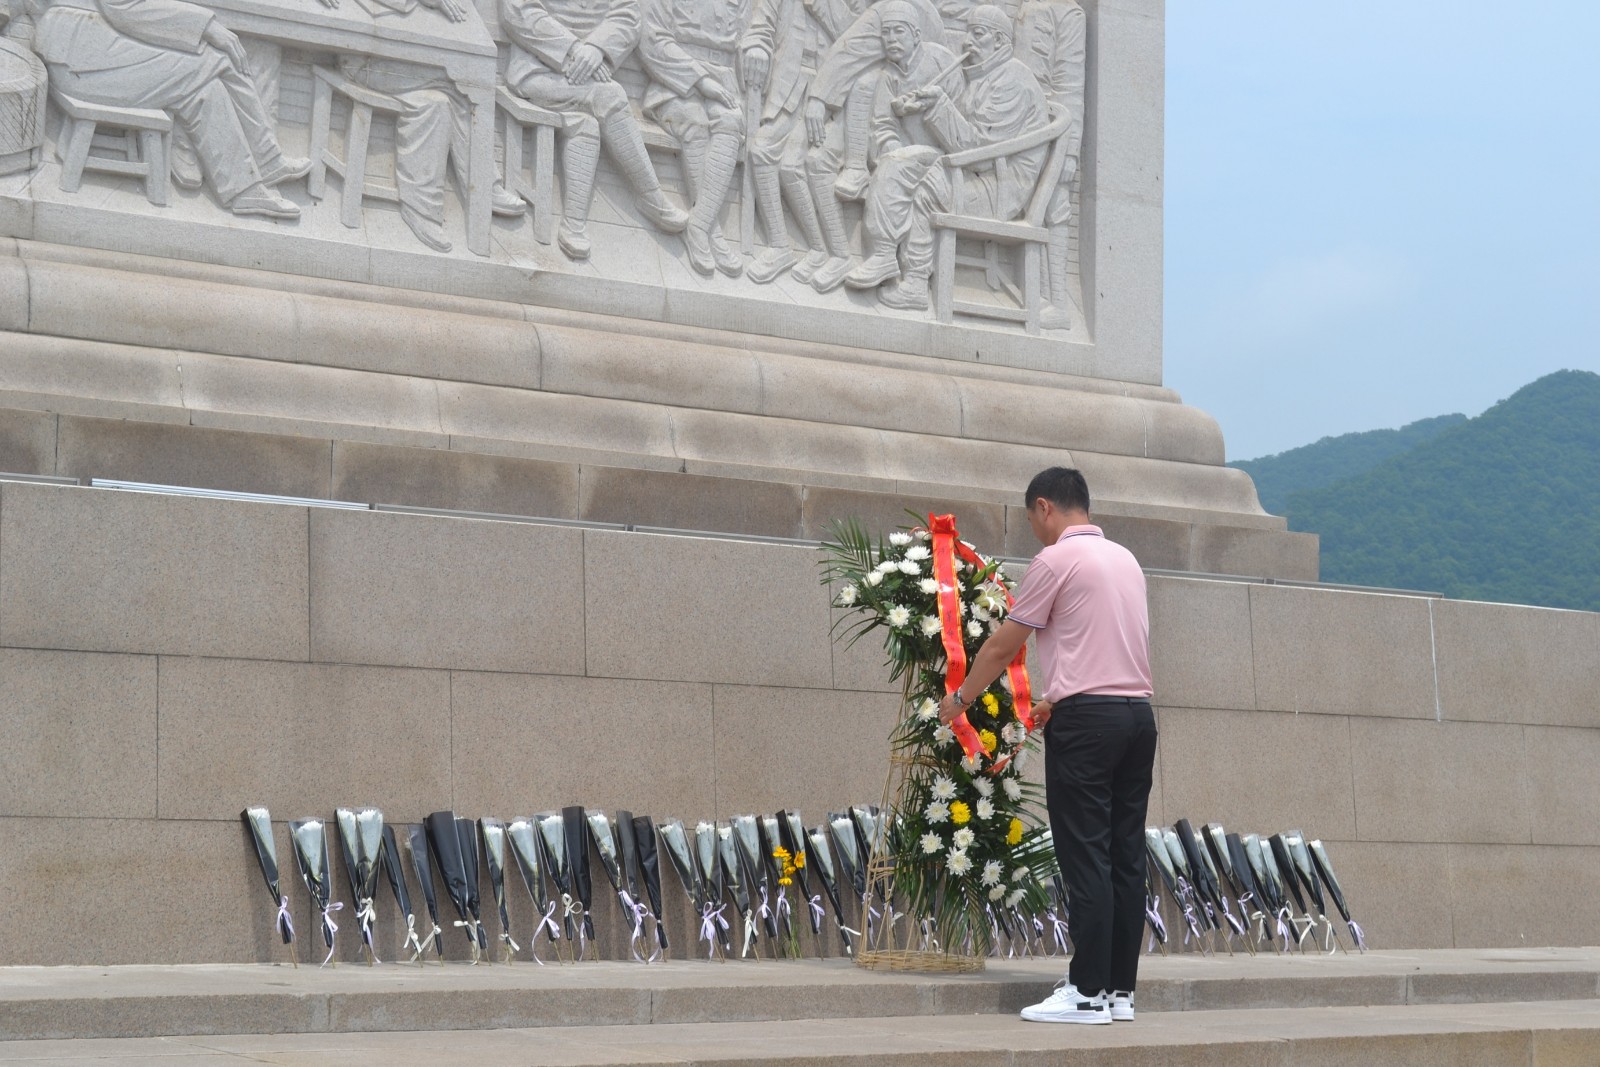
(563,56)
(690,50)
(432,134)
(176,57)
(1001,99)
(779,57)
(1051,36)
(846,83)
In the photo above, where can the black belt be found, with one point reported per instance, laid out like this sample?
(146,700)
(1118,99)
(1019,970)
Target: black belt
(1080,699)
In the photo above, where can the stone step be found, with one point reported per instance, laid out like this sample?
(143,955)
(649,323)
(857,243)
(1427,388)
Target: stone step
(39,1003)
(1539,1033)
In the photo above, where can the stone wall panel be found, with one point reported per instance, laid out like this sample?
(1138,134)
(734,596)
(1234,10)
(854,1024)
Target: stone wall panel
(107,571)
(427,591)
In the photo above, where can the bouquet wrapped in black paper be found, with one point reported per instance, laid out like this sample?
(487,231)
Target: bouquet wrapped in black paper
(258,824)
(422,867)
(311,856)
(361,838)
(457,861)
(530,856)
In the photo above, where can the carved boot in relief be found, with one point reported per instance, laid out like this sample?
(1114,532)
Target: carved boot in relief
(779,255)
(185,162)
(856,116)
(579,158)
(708,251)
(830,272)
(620,131)
(910,293)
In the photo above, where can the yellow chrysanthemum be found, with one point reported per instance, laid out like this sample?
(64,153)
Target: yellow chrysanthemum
(1014,835)
(989,740)
(959,812)
(800,860)
(991,702)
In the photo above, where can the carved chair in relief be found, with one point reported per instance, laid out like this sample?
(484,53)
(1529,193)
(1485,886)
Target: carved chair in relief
(518,116)
(1029,235)
(146,144)
(352,166)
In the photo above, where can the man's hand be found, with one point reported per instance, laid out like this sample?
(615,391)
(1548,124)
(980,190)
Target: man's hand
(225,41)
(1041,714)
(816,120)
(712,89)
(755,65)
(584,61)
(918,100)
(949,710)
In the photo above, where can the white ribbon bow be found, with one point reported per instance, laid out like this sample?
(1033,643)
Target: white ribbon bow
(545,923)
(710,916)
(330,928)
(367,916)
(285,920)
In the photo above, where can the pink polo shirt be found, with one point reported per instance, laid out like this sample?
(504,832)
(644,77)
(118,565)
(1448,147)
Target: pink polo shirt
(1085,599)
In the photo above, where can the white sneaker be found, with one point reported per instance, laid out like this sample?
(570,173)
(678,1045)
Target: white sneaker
(1122,1007)
(1067,1005)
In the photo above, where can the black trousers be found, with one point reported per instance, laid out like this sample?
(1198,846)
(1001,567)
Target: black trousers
(1099,759)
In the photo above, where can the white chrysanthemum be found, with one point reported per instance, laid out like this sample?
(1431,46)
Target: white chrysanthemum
(928,710)
(1021,874)
(929,586)
(909,566)
(943,788)
(991,872)
(936,812)
(963,838)
(899,616)
(1020,761)
(984,787)
(997,892)
(847,596)
(1013,733)
(922,535)
(958,862)
(985,808)
(1012,787)
(971,764)
(874,578)
(931,625)
(974,629)
(899,539)
(931,843)
(887,566)
(703,827)
(1016,897)
(918,552)
(979,615)
(943,735)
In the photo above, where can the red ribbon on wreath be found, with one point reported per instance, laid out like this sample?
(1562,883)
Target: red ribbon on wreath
(947,545)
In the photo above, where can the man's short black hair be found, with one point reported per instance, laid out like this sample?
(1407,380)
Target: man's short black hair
(1062,486)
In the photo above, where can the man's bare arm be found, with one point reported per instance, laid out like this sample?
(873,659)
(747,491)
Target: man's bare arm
(993,656)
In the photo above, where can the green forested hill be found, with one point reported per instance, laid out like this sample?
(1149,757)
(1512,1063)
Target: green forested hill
(1333,459)
(1505,506)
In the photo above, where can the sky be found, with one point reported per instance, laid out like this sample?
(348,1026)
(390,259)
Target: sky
(1377,212)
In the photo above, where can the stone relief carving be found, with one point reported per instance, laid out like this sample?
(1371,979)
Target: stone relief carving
(810,143)
(167,55)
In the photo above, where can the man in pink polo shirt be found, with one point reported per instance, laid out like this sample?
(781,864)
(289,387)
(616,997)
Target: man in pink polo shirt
(1084,597)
